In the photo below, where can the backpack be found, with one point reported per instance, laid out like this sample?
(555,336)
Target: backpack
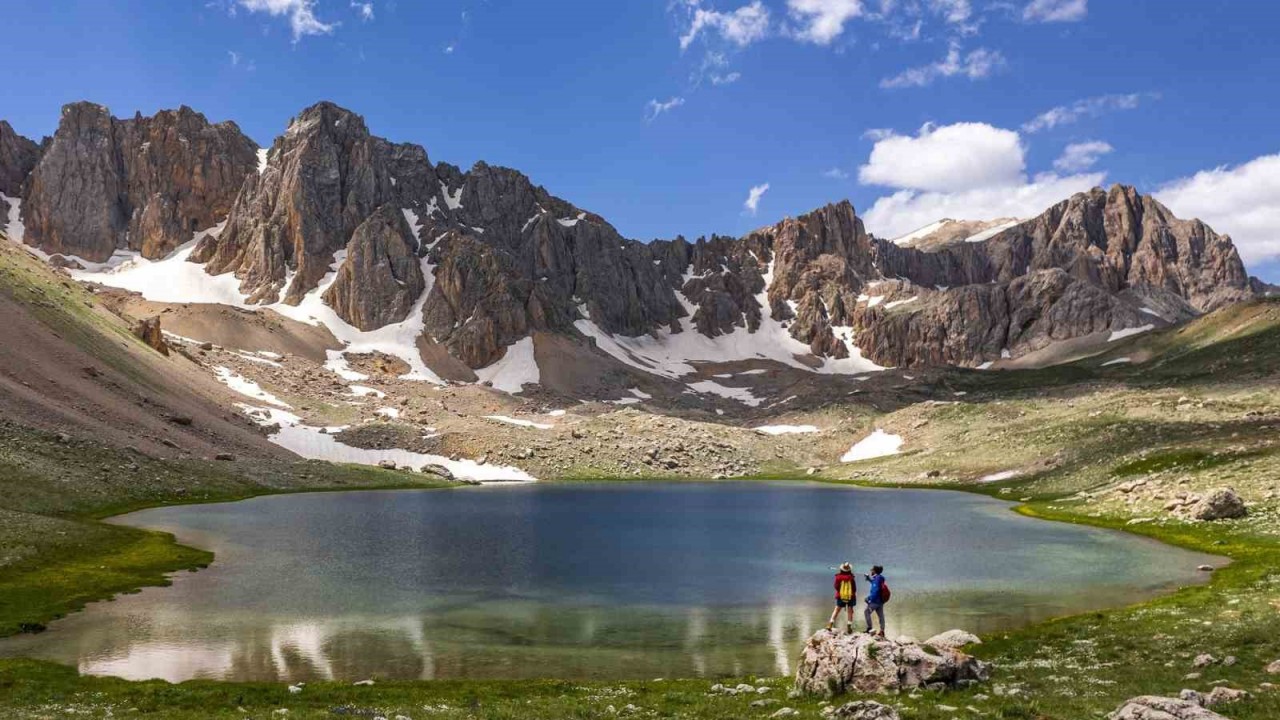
(884,591)
(846,589)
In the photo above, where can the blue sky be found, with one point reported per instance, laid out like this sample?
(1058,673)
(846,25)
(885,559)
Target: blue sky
(669,116)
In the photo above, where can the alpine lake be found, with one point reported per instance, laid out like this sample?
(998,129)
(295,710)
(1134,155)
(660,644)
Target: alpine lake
(584,581)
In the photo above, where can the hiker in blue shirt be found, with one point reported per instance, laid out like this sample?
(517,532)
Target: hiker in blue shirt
(877,596)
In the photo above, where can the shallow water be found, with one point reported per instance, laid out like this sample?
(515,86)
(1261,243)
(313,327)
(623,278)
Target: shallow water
(583,581)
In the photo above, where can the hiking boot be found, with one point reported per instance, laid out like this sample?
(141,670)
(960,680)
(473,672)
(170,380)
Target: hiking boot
(829,626)
(880,634)
(849,628)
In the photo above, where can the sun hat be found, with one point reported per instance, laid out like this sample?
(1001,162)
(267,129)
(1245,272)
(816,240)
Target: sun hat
(846,567)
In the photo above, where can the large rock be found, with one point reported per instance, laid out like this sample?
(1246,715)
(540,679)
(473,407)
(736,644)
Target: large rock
(833,663)
(144,184)
(1152,707)
(864,710)
(148,331)
(382,276)
(18,157)
(953,640)
(1219,504)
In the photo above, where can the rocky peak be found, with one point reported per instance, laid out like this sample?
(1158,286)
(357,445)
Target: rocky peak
(143,184)
(18,156)
(324,177)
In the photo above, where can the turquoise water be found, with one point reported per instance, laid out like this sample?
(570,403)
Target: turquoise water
(583,581)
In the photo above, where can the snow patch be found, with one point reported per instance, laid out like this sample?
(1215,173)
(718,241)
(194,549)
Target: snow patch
(13,226)
(519,421)
(393,413)
(785,429)
(1122,334)
(742,395)
(570,222)
(362,391)
(1117,361)
(991,232)
(997,477)
(319,444)
(246,387)
(262,159)
(514,370)
(452,201)
(877,444)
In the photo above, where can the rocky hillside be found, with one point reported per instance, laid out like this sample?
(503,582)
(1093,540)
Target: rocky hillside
(460,270)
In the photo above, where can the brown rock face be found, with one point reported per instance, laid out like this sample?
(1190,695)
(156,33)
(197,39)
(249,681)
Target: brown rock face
(18,156)
(144,184)
(148,331)
(324,177)
(381,278)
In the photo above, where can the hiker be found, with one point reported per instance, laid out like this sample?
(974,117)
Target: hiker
(846,596)
(877,596)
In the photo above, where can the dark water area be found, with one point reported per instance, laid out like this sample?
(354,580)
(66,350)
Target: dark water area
(602,581)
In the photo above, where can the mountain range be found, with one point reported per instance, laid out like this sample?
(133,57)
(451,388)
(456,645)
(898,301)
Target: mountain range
(482,275)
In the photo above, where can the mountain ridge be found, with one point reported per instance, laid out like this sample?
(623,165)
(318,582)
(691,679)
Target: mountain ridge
(483,259)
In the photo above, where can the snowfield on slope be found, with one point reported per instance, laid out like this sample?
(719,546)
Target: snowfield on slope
(316,443)
(877,444)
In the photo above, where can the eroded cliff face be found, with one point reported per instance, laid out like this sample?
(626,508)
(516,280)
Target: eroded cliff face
(487,257)
(18,156)
(143,184)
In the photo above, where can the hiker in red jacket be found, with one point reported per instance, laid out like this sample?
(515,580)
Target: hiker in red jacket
(846,595)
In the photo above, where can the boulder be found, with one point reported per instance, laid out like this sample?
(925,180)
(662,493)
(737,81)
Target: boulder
(1152,707)
(864,710)
(1219,504)
(953,640)
(1274,668)
(833,663)
(1222,695)
(148,331)
(439,471)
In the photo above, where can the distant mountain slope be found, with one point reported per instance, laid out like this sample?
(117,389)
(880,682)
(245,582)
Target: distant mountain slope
(455,272)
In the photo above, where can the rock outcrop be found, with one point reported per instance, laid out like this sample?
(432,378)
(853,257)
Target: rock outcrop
(1152,707)
(148,331)
(18,156)
(144,184)
(381,277)
(832,664)
(863,710)
(1219,504)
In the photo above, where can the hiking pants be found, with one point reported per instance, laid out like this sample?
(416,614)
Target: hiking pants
(878,609)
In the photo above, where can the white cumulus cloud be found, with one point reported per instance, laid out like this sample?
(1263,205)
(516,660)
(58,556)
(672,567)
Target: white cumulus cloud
(946,158)
(365,9)
(975,65)
(1055,10)
(835,173)
(657,107)
(301,15)
(741,27)
(822,21)
(752,202)
(966,171)
(1241,201)
(1080,156)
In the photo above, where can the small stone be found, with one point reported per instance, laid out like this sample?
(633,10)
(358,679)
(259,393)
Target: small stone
(1222,695)
(1203,660)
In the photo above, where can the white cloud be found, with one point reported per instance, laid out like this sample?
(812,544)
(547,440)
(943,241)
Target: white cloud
(741,27)
(946,159)
(822,21)
(976,65)
(301,14)
(906,210)
(1088,107)
(1241,201)
(234,56)
(657,107)
(1055,10)
(967,171)
(752,202)
(726,79)
(835,173)
(953,11)
(365,9)
(1078,157)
